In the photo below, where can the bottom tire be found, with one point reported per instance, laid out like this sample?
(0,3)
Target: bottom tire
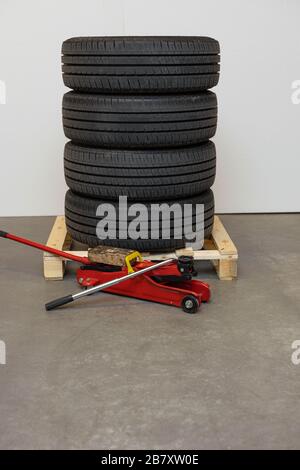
(82,221)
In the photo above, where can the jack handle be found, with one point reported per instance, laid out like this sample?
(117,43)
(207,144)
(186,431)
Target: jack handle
(69,298)
(49,249)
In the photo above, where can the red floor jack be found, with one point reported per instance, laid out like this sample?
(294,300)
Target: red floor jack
(168,282)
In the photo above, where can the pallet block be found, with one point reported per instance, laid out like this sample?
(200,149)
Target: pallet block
(219,249)
(54,266)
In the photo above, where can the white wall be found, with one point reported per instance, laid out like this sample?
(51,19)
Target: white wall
(258,130)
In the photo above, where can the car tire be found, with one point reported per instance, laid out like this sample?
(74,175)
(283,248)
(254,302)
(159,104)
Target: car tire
(140,64)
(140,174)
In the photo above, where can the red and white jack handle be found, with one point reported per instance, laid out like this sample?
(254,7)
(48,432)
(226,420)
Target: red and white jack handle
(70,298)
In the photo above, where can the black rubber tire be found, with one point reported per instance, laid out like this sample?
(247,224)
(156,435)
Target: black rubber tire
(140,64)
(140,174)
(81,221)
(139,121)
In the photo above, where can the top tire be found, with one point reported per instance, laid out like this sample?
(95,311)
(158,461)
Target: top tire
(140,64)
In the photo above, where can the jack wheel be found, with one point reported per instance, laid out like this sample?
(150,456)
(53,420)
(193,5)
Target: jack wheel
(190,304)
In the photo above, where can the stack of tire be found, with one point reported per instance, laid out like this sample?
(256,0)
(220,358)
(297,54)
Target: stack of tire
(139,119)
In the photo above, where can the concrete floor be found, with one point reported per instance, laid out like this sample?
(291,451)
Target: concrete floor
(110,372)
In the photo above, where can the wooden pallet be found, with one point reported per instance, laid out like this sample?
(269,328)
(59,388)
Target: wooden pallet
(219,249)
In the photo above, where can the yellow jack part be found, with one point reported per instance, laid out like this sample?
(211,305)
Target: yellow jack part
(133,256)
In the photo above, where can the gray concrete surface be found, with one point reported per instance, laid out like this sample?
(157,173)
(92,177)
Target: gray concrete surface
(110,372)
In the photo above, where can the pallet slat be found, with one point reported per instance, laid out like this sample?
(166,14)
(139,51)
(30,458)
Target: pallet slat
(219,249)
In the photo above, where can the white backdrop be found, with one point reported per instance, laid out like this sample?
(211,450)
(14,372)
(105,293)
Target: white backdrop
(258,128)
